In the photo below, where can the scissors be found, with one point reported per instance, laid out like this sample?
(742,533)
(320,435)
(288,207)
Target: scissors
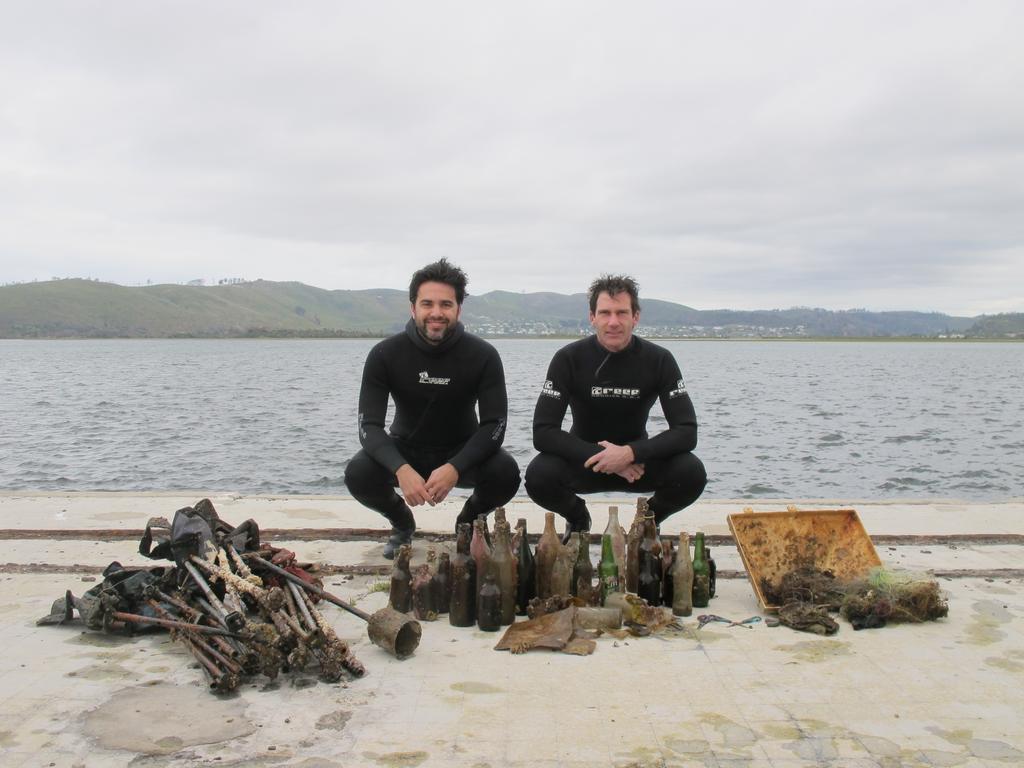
(707,618)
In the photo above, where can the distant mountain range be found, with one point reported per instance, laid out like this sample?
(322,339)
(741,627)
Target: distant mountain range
(76,308)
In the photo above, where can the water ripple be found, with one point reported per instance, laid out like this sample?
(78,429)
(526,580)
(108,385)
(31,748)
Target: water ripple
(777,419)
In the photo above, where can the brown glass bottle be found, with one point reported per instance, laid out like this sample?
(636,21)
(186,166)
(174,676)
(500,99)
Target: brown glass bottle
(422,594)
(503,567)
(636,533)
(583,570)
(400,596)
(701,573)
(712,572)
(441,584)
(488,604)
(682,579)
(547,552)
(649,565)
(478,547)
(462,608)
(526,573)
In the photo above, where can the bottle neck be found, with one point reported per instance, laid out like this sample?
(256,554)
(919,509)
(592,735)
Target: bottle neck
(607,551)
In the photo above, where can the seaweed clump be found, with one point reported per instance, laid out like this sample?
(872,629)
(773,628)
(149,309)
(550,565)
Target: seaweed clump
(885,597)
(807,595)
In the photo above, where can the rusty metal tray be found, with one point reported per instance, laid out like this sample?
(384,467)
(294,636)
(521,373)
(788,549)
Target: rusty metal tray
(774,543)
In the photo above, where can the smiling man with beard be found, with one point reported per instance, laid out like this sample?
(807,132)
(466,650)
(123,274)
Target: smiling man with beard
(438,375)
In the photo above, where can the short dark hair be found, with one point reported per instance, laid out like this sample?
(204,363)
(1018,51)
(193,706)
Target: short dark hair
(439,272)
(613,285)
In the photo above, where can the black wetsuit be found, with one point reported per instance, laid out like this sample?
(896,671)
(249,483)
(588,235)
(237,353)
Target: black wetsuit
(436,389)
(610,395)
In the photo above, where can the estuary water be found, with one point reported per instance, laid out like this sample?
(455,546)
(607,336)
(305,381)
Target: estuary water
(779,420)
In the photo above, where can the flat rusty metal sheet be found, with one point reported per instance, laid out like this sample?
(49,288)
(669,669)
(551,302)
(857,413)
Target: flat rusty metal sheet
(773,543)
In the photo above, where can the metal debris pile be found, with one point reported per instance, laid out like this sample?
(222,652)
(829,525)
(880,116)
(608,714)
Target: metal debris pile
(240,607)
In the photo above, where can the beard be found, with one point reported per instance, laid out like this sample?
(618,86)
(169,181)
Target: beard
(435,336)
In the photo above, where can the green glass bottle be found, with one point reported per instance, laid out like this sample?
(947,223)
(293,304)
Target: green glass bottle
(701,573)
(608,570)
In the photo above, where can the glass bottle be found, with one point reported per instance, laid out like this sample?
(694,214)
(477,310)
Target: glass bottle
(712,572)
(488,604)
(400,596)
(526,584)
(547,552)
(503,567)
(561,571)
(682,579)
(441,583)
(478,547)
(668,557)
(636,533)
(649,565)
(462,611)
(701,573)
(608,570)
(583,569)
(614,529)
(422,594)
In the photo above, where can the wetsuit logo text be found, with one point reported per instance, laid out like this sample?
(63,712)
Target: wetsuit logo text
(631,394)
(549,390)
(679,390)
(426,378)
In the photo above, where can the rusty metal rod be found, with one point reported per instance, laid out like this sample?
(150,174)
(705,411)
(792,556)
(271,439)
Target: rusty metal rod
(135,618)
(232,619)
(321,593)
(301,604)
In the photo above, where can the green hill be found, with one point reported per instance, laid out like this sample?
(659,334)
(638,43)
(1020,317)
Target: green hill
(77,308)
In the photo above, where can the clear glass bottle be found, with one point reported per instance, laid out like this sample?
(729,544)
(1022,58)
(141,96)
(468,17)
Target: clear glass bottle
(682,579)
(547,551)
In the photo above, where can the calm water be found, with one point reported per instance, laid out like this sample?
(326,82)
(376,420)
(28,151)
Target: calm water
(777,419)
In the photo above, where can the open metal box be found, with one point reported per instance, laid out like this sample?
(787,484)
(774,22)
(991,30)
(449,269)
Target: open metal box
(774,543)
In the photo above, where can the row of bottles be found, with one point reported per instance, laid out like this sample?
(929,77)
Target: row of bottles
(489,580)
(484,583)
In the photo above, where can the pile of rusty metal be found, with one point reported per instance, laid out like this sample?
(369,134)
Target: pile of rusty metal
(240,607)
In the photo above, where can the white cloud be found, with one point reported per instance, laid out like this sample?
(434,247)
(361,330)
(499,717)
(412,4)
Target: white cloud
(730,155)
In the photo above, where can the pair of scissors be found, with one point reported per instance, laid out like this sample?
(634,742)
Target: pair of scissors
(707,618)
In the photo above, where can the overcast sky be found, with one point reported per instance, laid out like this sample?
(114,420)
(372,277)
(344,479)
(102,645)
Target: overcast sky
(727,154)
